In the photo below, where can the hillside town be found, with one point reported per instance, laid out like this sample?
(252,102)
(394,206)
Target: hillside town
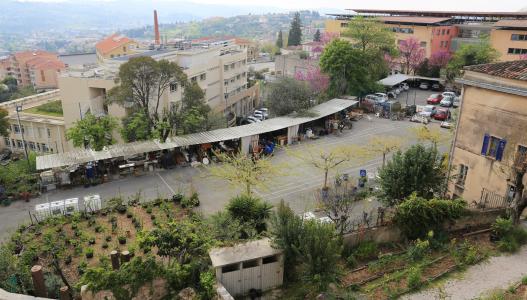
(360,154)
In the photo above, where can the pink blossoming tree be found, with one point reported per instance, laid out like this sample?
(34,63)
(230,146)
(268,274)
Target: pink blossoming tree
(440,59)
(317,81)
(411,54)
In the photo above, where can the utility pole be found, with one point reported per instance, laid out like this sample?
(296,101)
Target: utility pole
(19,109)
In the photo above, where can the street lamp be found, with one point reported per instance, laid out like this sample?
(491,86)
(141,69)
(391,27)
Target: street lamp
(19,109)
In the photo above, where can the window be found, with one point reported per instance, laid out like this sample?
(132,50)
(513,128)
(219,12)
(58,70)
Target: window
(238,77)
(111,56)
(124,48)
(203,76)
(31,145)
(493,147)
(173,87)
(16,128)
(250,263)
(402,30)
(42,76)
(446,44)
(226,82)
(7,141)
(45,148)
(448,31)
(194,79)
(519,37)
(517,51)
(226,68)
(423,44)
(342,25)
(230,268)
(233,66)
(442,44)
(270,259)
(19,144)
(49,132)
(443,32)
(40,131)
(462,176)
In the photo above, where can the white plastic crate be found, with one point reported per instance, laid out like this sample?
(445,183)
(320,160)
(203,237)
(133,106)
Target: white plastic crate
(92,203)
(56,207)
(71,205)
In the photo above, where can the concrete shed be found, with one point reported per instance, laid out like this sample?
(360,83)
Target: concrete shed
(252,265)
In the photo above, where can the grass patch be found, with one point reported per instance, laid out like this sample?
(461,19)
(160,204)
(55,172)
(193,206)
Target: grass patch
(53,109)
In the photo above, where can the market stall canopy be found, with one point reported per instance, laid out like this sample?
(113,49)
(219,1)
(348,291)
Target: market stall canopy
(396,79)
(81,156)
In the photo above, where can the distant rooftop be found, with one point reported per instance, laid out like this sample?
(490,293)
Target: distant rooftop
(443,14)
(150,53)
(511,23)
(413,20)
(242,252)
(511,69)
(111,42)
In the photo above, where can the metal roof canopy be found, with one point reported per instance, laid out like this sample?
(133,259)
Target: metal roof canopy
(81,156)
(242,252)
(398,78)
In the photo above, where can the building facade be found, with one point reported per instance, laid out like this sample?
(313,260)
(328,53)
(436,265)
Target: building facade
(219,68)
(490,132)
(446,31)
(39,69)
(115,45)
(36,132)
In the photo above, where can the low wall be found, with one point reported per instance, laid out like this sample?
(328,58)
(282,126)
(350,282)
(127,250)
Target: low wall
(10,296)
(154,290)
(390,233)
(31,101)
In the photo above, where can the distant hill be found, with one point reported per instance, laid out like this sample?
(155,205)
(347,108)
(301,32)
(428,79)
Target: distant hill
(26,16)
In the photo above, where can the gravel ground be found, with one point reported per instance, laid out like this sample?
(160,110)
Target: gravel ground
(479,280)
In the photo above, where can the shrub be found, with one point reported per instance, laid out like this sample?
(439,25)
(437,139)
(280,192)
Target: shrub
(365,250)
(152,217)
(81,268)
(89,252)
(68,259)
(351,261)
(177,198)
(416,216)
(91,241)
(418,250)
(98,228)
(108,238)
(129,214)
(524,280)
(149,210)
(250,210)
(414,278)
(104,245)
(190,202)
(510,238)
(207,280)
(122,239)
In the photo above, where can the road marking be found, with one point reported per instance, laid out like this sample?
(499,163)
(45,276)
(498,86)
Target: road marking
(166,183)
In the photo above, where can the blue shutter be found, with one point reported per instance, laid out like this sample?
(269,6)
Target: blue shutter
(485,147)
(501,149)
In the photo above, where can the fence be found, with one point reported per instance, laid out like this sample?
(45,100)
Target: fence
(490,200)
(31,101)
(370,219)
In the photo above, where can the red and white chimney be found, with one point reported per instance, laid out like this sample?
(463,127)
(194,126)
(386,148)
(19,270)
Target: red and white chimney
(156,29)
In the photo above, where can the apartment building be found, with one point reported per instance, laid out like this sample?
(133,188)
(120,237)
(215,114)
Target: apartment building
(446,31)
(115,45)
(490,132)
(36,131)
(218,66)
(39,69)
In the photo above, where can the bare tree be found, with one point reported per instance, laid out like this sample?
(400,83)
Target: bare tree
(383,145)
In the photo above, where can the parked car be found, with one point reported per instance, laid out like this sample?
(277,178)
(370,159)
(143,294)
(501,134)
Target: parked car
(418,118)
(434,99)
(392,95)
(424,86)
(382,96)
(5,154)
(456,102)
(258,115)
(448,93)
(397,90)
(441,114)
(436,87)
(428,111)
(265,111)
(446,102)
(252,119)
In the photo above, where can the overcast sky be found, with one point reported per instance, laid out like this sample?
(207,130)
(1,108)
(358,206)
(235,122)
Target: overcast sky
(465,5)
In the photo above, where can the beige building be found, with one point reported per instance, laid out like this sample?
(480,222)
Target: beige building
(115,45)
(39,131)
(490,132)
(509,37)
(219,68)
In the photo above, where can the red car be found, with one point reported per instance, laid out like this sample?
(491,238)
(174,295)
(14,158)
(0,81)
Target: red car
(434,99)
(441,114)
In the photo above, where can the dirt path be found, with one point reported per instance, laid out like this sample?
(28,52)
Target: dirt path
(478,280)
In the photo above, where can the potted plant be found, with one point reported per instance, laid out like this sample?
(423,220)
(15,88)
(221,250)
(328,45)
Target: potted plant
(89,253)
(122,239)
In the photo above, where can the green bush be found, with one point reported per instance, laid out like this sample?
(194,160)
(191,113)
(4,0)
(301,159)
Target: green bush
(510,238)
(89,252)
(190,202)
(351,261)
(524,280)
(416,216)
(418,250)
(414,278)
(250,210)
(122,239)
(366,250)
(207,280)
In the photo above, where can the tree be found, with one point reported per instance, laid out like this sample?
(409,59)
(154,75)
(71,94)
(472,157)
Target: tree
(349,69)
(4,123)
(93,132)
(419,169)
(142,84)
(383,145)
(280,40)
(370,34)
(193,113)
(317,81)
(250,211)
(135,127)
(440,59)
(288,95)
(411,54)
(295,32)
(328,161)
(432,135)
(317,36)
(471,54)
(243,171)
(286,228)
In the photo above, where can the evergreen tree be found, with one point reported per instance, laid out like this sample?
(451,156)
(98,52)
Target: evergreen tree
(295,32)
(280,40)
(316,38)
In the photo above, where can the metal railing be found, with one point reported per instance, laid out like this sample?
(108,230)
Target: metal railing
(490,200)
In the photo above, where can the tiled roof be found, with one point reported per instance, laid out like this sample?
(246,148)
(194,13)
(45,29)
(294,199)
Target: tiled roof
(414,20)
(511,23)
(112,42)
(511,69)
(45,63)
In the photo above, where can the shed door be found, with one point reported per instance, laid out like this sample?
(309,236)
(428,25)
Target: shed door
(272,272)
(251,279)
(231,279)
